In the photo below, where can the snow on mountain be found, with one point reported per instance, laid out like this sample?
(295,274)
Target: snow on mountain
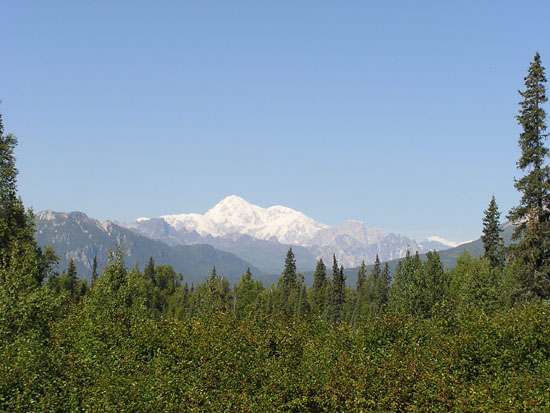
(235,215)
(450,244)
(233,219)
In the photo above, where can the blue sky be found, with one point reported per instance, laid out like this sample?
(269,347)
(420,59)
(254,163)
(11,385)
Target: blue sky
(399,114)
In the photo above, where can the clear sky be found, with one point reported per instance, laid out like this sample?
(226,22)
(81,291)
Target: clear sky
(400,114)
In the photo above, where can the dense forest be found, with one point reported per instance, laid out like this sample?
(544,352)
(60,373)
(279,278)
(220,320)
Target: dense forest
(420,338)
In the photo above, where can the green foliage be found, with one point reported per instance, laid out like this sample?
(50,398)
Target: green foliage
(532,215)
(221,363)
(419,286)
(288,287)
(337,294)
(493,243)
(319,289)
(362,276)
(246,295)
(94,270)
(476,284)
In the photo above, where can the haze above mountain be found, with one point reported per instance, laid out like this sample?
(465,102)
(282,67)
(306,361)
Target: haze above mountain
(234,221)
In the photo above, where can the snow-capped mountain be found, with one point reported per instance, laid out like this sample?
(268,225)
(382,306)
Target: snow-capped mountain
(234,222)
(234,215)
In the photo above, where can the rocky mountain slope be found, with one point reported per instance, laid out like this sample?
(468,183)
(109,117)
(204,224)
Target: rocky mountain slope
(75,235)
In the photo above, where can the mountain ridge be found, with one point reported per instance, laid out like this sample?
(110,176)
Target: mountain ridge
(233,217)
(77,236)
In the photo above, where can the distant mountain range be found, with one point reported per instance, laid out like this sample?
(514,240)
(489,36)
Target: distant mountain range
(75,235)
(263,235)
(448,257)
(232,236)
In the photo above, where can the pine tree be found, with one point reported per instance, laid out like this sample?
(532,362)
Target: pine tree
(287,286)
(72,278)
(361,276)
(360,296)
(94,270)
(319,288)
(372,280)
(380,286)
(289,273)
(431,286)
(492,241)
(218,293)
(149,271)
(532,216)
(246,294)
(337,293)
(302,308)
(386,278)
(402,289)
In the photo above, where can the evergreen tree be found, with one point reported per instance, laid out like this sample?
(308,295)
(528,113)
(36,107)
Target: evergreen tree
(362,276)
(492,241)
(289,273)
(360,295)
(402,289)
(386,277)
(287,294)
(319,288)
(381,285)
(432,285)
(374,294)
(149,271)
(303,308)
(337,293)
(475,285)
(376,272)
(217,294)
(72,278)
(532,216)
(246,294)
(94,270)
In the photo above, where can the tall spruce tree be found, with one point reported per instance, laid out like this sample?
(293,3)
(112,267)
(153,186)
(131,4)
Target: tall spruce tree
(94,270)
(335,310)
(380,286)
(246,294)
(287,286)
(532,215)
(492,241)
(319,288)
(72,278)
(149,271)
(289,273)
(361,277)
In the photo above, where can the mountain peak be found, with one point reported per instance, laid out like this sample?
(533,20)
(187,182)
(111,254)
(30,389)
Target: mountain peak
(233,200)
(230,203)
(234,214)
